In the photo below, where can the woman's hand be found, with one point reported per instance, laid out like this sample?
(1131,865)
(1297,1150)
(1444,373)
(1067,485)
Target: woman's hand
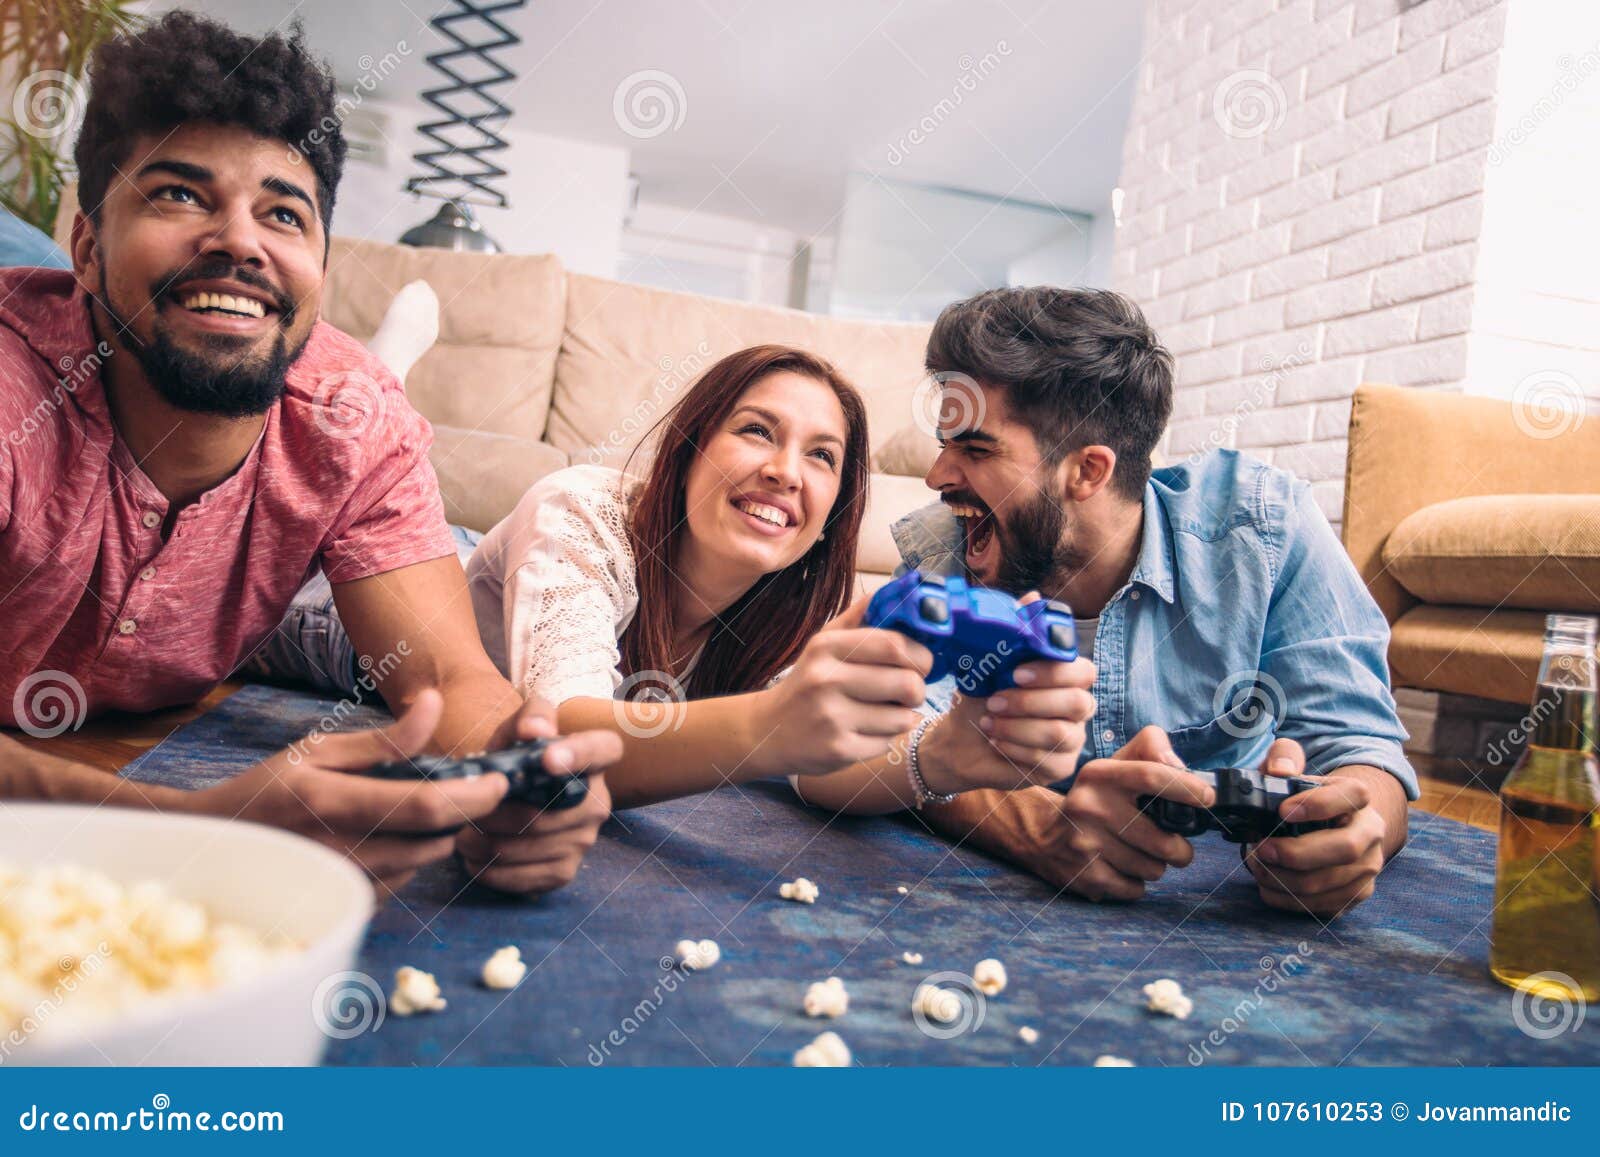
(853,690)
(1029,735)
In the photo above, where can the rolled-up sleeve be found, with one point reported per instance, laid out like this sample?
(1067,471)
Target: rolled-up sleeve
(1326,645)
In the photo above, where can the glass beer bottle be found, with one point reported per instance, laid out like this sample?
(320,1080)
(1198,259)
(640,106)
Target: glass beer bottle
(1546,935)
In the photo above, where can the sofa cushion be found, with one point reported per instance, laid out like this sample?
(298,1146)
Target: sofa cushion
(1532,551)
(483,476)
(500,324)
(629,351)
(910,450)
(1468,651)
(893,496)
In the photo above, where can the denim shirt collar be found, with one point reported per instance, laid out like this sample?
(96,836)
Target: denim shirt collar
(930,540)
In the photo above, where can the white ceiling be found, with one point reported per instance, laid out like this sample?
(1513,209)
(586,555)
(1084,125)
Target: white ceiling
(782,100)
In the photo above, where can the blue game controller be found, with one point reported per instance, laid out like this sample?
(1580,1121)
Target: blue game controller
(977,634)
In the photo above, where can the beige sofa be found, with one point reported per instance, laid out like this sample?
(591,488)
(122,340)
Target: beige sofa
(1469,521)
(537,368)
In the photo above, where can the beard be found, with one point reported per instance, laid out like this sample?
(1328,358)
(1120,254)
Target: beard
(222,377)
(1036,553)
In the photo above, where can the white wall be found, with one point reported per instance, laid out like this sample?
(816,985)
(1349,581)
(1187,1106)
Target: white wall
(1304,194)
(1536,313)
(692,251)
(566,197)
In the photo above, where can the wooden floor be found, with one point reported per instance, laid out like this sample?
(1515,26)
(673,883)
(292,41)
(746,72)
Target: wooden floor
(1448,789)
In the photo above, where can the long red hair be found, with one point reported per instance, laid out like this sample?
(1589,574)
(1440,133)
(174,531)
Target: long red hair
(763,632)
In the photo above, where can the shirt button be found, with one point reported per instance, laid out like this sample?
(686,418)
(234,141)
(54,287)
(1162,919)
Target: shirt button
(1108,735)
(1133,595)
(127,626)
(151,519)
(148,573)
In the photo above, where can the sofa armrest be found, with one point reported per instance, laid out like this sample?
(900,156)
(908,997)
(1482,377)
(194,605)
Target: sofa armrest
(1410,448)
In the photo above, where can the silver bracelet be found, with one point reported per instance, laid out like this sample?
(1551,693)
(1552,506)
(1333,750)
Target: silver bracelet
(919,786)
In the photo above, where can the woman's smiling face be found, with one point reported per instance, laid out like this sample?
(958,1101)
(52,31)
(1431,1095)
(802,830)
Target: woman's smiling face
(765,480)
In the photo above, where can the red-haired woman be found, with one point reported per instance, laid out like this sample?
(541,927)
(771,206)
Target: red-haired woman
(664,607)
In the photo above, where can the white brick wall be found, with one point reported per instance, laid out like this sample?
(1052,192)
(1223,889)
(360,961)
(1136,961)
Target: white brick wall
(1303,205)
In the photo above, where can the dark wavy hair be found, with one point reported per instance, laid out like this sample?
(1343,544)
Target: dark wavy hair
(1080,367)
(186,69)
(763,632)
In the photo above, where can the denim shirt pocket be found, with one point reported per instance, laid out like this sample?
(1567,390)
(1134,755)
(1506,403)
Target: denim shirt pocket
(1226,741)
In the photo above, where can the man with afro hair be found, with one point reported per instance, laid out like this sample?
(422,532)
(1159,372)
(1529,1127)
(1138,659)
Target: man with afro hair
(183,442)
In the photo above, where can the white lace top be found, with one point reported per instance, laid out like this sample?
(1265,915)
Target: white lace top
(554,585)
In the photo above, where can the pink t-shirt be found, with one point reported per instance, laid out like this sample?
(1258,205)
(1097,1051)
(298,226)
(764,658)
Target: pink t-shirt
(90,594)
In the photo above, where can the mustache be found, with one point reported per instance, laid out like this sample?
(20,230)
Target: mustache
(964,498)
(220,270)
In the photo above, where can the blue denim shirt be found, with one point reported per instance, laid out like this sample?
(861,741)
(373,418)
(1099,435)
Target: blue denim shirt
(1243,620)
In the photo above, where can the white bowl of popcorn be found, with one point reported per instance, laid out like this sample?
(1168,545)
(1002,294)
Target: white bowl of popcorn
(136,938)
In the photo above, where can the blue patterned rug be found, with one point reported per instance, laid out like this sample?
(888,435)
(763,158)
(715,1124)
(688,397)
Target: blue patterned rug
(1402,980)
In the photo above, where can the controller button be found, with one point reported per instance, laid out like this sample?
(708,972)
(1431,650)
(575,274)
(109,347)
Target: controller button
(934,609)
(1061,637)
(1058,605)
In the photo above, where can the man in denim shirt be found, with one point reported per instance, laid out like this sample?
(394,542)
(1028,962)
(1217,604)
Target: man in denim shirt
(1226,625)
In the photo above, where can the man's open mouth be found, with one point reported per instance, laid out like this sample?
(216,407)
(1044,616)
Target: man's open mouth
(978,525)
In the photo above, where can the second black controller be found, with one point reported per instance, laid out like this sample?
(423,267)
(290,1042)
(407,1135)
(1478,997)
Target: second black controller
(1246,811)
(522,764)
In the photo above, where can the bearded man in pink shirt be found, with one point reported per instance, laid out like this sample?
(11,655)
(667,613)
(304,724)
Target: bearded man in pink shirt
(183,443)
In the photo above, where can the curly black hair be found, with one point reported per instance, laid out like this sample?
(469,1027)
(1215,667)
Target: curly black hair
(185,68)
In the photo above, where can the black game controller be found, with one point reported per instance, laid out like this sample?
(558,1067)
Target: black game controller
(522,764)
(1246,811)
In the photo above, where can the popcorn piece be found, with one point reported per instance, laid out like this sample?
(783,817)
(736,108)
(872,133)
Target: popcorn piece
(828,1051)
(696,955)
(1166,996)
(935,1003)
(1028,1035)
(990,977)
(89,948)
(415,991)
(505,968)
(827,998)
(802,891)
(903,890)
(1107,1061)
(911,957)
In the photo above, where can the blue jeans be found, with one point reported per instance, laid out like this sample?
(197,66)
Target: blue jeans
(310,647)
